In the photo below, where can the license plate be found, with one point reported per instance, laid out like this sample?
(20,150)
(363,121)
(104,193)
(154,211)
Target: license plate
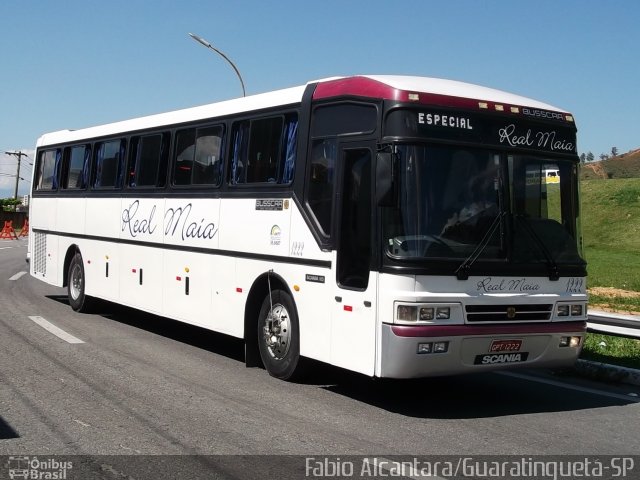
(505,345)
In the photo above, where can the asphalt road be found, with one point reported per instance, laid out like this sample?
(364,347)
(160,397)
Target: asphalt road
(142,384)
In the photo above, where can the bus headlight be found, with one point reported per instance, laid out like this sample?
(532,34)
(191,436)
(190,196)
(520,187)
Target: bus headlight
(571,309)
(407,313)
(431,313)
(426,313)
(576,310)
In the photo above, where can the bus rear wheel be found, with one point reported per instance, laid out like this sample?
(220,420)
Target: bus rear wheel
(279,336)
(76,284)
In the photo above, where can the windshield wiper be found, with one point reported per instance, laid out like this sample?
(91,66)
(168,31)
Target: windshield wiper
(462,272)
(554,274)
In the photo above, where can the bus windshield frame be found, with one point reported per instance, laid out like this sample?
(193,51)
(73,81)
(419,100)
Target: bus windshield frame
(469,206)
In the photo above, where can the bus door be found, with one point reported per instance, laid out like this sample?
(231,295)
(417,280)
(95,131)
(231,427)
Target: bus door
(353,322)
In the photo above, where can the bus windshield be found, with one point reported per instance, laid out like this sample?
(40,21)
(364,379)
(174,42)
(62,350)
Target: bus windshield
(460,202)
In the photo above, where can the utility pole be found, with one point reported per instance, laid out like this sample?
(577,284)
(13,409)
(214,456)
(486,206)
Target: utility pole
(19,156)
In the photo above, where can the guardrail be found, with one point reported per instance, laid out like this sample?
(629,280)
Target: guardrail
(614,324)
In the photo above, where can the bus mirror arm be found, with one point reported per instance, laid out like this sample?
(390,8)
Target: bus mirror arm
(385,180)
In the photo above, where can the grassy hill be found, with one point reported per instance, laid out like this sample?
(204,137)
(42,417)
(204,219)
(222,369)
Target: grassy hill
(611,232)
(626,165)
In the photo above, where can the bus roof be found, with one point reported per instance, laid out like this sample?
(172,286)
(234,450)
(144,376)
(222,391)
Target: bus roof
(393,87)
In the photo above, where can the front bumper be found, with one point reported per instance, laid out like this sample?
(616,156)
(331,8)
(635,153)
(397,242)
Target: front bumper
(469,348)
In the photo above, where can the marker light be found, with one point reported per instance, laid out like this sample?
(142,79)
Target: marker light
(515,110)
(440,347)
(576,310)
(425,348)
(569,118)
(499,108)
(483,105)
(563,310)
(443,313)
(414,97)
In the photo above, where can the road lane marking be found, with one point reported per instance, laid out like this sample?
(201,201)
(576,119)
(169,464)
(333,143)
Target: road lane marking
(51,328)
(555,383)
(5,248)
(17,276)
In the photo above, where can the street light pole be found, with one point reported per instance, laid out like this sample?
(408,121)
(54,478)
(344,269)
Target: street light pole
(202,41)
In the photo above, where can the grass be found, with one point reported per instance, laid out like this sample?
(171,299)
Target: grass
(612,350)
(613,268)
(618,303)
(626,165)
(611,232)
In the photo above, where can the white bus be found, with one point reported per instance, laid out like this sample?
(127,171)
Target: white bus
(384,224)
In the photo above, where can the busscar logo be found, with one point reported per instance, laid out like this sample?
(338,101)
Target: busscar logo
(532,112)
(269,204)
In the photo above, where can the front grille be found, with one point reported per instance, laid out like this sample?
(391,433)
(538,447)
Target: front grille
(508,313)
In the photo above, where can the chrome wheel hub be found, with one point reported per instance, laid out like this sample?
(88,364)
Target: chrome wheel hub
(277,332)
(75,282)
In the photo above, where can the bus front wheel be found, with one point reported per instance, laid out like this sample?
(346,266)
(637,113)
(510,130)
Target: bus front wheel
(76,284)
(279,336)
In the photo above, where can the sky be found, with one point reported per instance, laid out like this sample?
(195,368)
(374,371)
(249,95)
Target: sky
(80,63)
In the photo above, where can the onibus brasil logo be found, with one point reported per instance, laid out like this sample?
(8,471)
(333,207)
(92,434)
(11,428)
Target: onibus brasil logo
(33,468)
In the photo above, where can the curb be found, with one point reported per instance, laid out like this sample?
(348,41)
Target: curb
(608,373)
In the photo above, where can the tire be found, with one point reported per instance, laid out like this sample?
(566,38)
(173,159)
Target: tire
(279,336)
(76,285)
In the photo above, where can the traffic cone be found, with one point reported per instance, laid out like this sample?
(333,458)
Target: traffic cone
(25,229)
(8,231)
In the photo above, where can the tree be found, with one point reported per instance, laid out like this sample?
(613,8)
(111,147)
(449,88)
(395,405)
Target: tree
(583,158)
(604,156)
(9,204)
(614,151)
(590,157)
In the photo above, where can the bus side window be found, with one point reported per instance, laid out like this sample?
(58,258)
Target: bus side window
(109,164)
(198,156)
(146,161)
(47,172)
(73,167)
(207,165)
(264,150)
